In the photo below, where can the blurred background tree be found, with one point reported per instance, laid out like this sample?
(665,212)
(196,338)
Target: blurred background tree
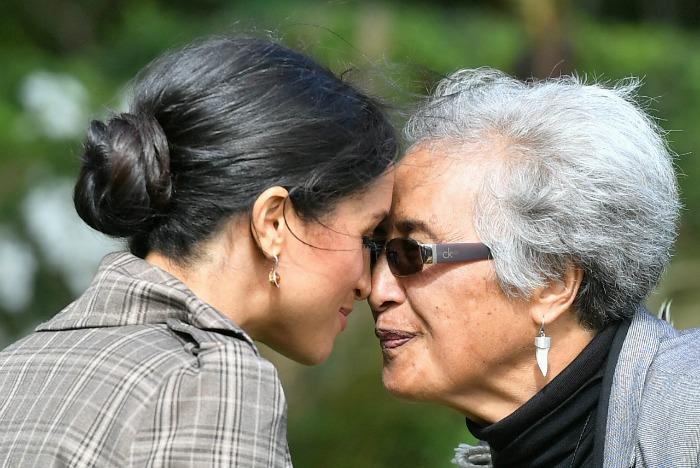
(63,62)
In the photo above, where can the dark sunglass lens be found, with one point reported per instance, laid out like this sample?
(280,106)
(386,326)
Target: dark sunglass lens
(404,257)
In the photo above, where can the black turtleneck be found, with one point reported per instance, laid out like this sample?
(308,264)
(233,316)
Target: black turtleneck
(556,427)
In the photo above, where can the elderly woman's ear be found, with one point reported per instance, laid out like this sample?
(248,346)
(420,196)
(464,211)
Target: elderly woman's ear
(555,299)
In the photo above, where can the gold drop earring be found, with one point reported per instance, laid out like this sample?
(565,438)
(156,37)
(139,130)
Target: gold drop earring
(274,277)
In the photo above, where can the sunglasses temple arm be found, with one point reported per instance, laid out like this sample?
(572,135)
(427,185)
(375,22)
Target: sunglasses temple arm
(446,253)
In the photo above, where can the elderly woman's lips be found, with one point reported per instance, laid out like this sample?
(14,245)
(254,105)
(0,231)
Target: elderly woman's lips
(390,339)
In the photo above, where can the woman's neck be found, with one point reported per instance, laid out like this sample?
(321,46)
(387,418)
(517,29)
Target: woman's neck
(227,278)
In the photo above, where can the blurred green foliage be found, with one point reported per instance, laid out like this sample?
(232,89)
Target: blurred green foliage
(340,416)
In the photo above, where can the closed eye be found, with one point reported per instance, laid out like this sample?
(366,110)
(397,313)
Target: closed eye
(375,249)
(370,243)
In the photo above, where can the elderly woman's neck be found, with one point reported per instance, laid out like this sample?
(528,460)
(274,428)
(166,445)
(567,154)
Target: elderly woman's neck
(513,387)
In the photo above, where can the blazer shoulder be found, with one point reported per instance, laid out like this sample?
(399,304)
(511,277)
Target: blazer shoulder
(679,355)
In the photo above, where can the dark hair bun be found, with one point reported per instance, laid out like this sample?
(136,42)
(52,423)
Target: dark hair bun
(229,118)
(124,185)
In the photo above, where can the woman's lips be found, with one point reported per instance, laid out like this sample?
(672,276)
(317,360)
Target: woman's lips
(344,312)
(392,339)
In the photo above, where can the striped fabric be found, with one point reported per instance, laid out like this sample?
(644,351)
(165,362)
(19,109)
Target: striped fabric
(654,410)
(139,372)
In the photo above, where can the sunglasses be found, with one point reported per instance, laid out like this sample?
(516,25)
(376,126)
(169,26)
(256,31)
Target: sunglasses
(406,256)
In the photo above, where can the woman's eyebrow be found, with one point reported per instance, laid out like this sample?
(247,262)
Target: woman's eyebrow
(412,225)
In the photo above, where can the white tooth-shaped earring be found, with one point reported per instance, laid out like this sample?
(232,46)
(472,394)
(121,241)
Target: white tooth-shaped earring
(542,343)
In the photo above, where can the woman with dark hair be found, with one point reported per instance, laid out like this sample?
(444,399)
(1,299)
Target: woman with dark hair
(247,180)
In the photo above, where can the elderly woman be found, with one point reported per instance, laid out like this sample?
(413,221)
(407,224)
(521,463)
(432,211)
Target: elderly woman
(529,223)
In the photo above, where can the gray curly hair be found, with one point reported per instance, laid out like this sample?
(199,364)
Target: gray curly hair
(589,182)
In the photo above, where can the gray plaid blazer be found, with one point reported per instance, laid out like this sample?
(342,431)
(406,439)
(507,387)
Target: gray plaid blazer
(139,372)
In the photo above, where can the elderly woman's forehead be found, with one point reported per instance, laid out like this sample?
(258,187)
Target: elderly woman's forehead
(448,158)
(425,173)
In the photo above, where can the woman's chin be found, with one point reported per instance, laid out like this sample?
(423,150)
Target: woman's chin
(310,357)
(399,387)
(307,353)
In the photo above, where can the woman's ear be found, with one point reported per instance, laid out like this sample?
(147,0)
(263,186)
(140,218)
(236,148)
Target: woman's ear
(268,219)
(555,299)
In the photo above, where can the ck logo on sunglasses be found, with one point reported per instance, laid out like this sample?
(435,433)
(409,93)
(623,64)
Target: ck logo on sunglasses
(406,256)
